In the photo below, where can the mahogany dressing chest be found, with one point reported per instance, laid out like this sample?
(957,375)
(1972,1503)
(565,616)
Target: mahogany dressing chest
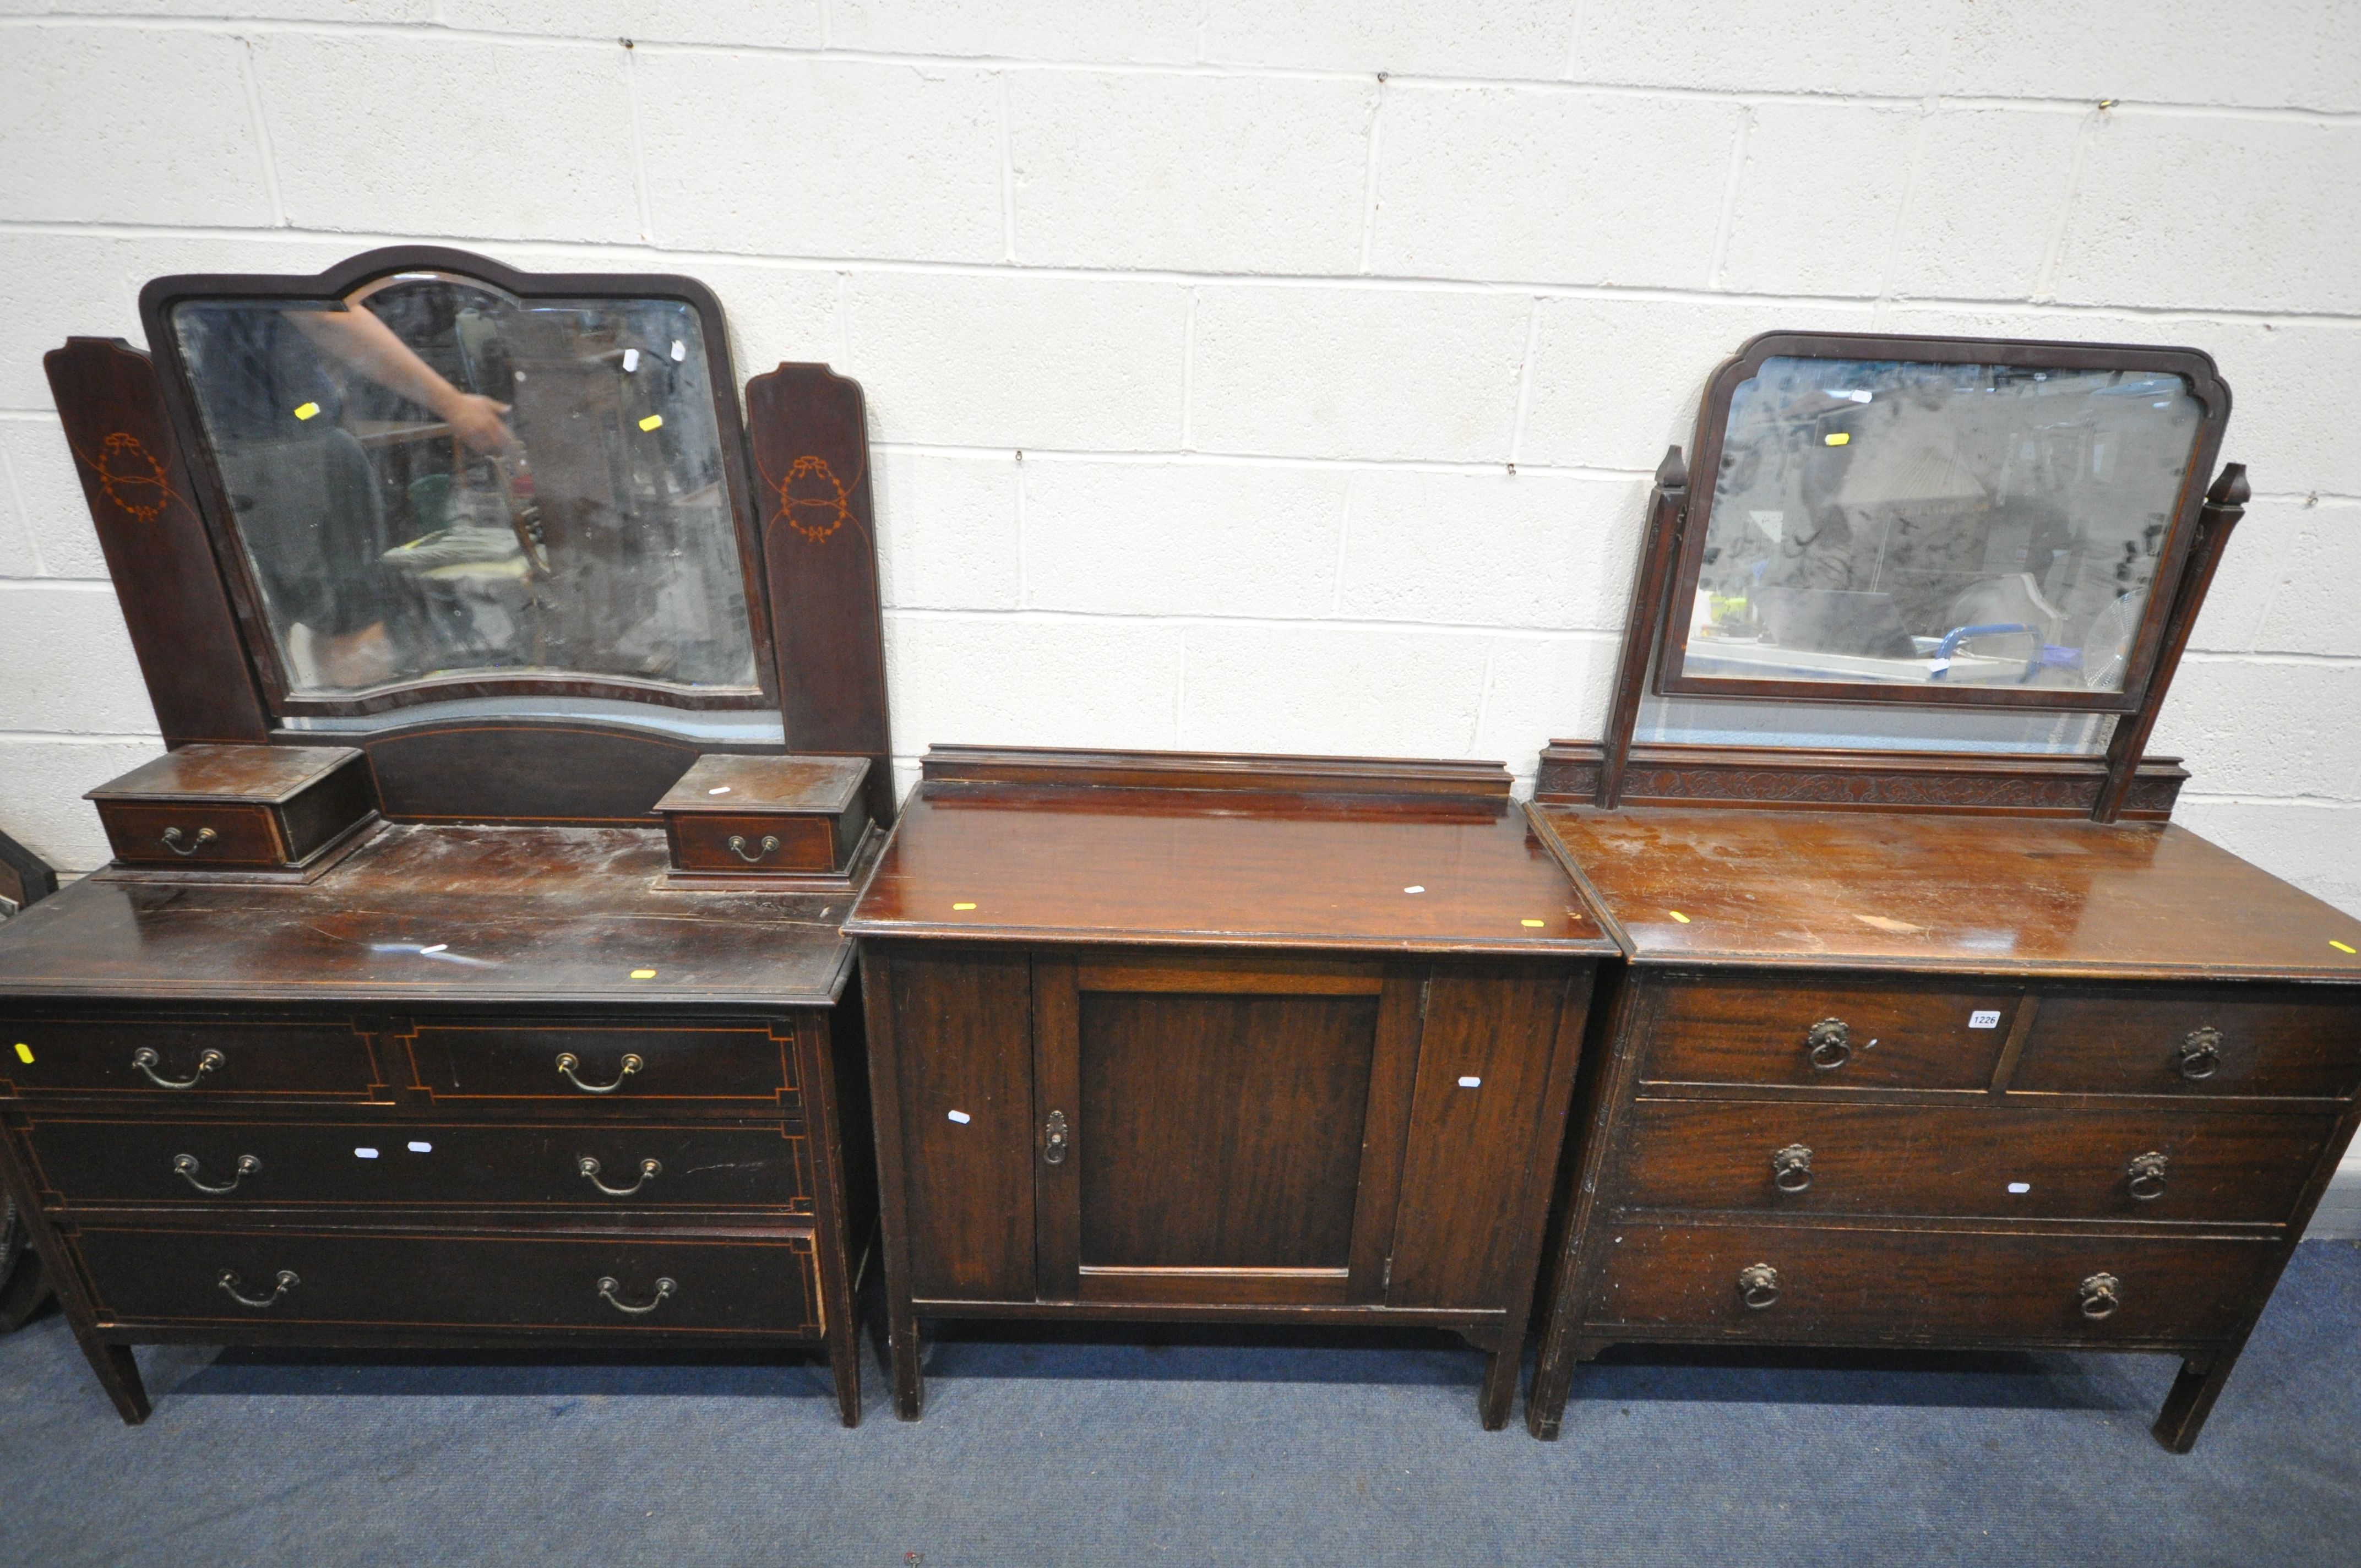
(397,1019)
(1165,1036)
(1932,1029)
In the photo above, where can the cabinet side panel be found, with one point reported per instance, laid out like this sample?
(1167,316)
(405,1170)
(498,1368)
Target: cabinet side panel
(1470,1145)
(962,1027)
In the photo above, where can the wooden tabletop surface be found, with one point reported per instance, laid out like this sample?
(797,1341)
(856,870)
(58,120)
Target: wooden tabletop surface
(1953,892)
(445,915)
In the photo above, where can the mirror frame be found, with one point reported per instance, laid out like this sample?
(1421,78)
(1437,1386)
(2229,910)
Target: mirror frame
(158,298)
(2197,368)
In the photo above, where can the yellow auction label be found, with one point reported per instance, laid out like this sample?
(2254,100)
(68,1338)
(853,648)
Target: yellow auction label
(652,422)
(1838,439)
(306,410)
(23,1053)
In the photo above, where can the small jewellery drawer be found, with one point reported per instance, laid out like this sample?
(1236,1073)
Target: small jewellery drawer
(744,1064)
(754,843)
(603,1164)
(1986,1161)
(2195,1040)
(742,1282)
(1826,1033)
(195,834)
(1782,1282)
(155,1060)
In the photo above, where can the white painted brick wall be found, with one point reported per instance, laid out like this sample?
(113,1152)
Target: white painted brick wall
(1270,294)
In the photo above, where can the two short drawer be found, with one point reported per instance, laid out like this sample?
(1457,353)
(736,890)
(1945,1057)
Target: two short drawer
(604,1164)
(753,1281)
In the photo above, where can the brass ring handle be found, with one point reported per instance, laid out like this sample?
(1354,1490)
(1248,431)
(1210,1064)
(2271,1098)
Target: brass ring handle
(185,1166)
(2100,1295)
(1830,1043)
(172,841)
(1791,1169)
(146,1059)
(1758,1285)
(2200,1053)
(286,1282)
(609,1285)
(738,847)
(567,1061)
(1053,1147)
(2146,1173)
(589,1168)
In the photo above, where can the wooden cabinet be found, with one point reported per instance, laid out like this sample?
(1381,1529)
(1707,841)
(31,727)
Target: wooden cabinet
(1172,1036)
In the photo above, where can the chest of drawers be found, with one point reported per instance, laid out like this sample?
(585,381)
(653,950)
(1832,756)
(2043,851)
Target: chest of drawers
(2012,1082)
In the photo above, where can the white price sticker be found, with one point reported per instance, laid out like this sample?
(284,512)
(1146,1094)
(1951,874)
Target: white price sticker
(1984,1020)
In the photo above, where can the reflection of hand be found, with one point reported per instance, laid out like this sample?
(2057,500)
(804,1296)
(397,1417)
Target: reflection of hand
(476,420)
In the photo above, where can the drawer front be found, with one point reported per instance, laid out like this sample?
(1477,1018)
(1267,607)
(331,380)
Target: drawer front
(745,1067)
(736,1282)
(1856,1285)
(1826,1034)
(1996,1161)
(797,843)
(279,1164)
(2194,1040)
(158,1061)
(196,835)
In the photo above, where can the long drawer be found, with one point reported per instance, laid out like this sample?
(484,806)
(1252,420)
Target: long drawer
(734,1282)
(741,1066)
(2195,1040)
(202,1060)
(1878,1285)
(1990,1160)
(274,1164)
(1827,1033)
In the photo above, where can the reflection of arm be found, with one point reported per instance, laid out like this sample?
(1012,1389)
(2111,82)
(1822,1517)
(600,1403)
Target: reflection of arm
(356,338)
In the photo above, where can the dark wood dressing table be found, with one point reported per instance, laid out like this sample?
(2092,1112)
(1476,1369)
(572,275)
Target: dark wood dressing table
(1966,1047)
(1168,1035)
(394,1022)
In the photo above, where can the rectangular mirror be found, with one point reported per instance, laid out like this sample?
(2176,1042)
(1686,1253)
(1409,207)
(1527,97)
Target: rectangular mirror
(1937,524)
(440,487)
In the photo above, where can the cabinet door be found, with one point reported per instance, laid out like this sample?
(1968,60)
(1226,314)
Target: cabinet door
(1211,1130)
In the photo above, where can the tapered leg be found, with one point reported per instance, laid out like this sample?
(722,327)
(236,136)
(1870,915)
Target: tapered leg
(844,1359)
(909,1391)
(118,1374)
(2191,1401)
(1499,1395)
(1553,1377)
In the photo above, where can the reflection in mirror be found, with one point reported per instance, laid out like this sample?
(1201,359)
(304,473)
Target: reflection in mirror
(433,478)
(1892,521)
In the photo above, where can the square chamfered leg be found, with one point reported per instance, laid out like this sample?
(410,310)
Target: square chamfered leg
(2191,1398)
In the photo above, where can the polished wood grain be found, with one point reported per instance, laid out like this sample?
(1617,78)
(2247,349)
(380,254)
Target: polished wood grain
(2274,1042)
(253,1057)
(246,836)
(263,775)
(747,1069)
(1747,1030)
(1963,893)
(797,844)
(762,786)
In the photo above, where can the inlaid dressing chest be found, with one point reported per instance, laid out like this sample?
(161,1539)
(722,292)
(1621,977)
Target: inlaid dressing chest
(400,1019)
(1168,1035)
(1931,1029)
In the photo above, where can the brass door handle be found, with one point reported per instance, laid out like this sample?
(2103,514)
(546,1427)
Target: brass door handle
(567,1061)
(738,847)
(2146,1173)
(185,1166)
(1791,1169)
(172,841)
(1758,1285)
(589,1167)
(2100,1296)
(2200,1053)
(1053,1147)
(146,1059)
(286,1282)
(609,1285)
(1830,1043)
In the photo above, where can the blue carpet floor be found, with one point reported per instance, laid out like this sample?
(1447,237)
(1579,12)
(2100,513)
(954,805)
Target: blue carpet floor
(1194,1447)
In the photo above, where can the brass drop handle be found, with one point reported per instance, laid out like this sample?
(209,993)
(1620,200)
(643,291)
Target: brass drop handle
(2146,1173)
(1830,1042)
(609,1285)
(1053,1147)
(185,1166)
(286,1282)
(649,1170)
(2100,1295)
(1758,1285)
(1791,1169)
(567,1061)
(2200,1052)
(738,847)
(172,841)
(146,1059)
